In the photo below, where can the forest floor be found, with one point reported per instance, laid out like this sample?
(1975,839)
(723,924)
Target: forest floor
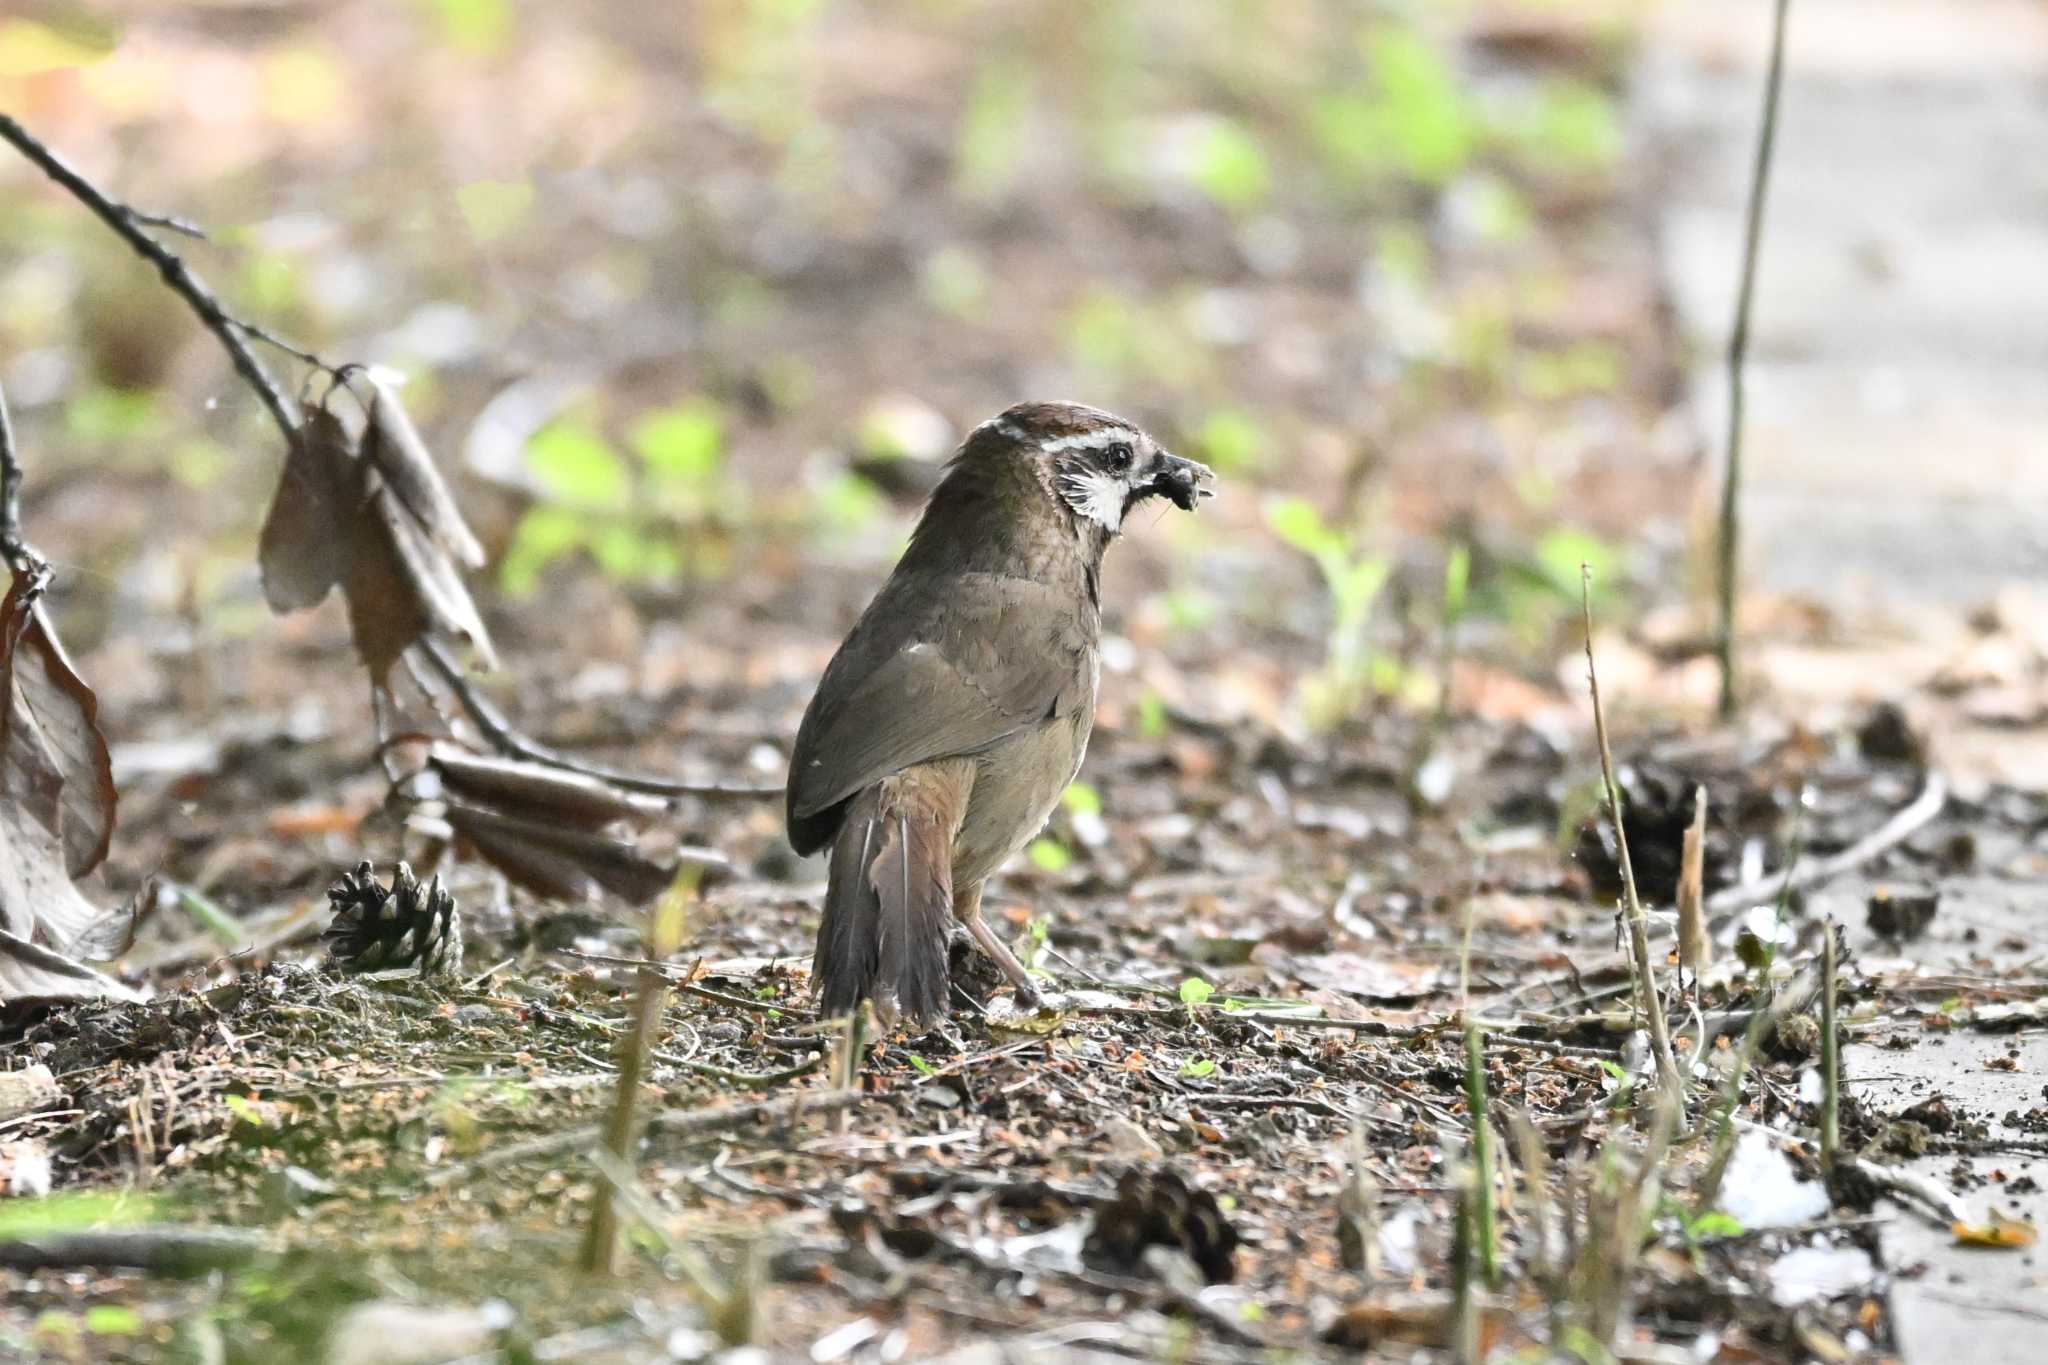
(1244,1126)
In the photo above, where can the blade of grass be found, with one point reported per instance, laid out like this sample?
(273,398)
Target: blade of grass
(1651,999)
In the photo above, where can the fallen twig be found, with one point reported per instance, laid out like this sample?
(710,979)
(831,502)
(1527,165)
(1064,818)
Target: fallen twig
(1731,901)
(685,987)
(128,224)
(670,1122)
(12,547)
(493,725)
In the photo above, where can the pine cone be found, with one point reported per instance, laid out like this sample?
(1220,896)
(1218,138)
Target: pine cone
(1159,1208)
(375,929)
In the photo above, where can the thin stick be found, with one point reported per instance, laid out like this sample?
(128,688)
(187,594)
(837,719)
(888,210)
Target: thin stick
(1738,353)
(1830,1056)
(1903,825)
(491,722)
(691,1123)
(1638,923)
(127,224)
(11,544)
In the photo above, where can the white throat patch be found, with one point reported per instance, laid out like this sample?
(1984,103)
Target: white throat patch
(1096,495)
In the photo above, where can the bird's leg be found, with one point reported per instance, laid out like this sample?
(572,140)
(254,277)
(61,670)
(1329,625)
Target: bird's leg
(967,909)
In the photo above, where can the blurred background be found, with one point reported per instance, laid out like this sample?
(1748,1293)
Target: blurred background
(693,299)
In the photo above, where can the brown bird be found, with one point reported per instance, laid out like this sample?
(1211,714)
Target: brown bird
(957,711)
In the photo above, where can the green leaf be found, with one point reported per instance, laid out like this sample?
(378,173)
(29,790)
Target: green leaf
(955,282)
(1561,552)
(212,917)
(243,1108)
(67,40)
(846,502)
(1102,332)
(544,535)
(992,131)
(1574,127)
(1151,715)
(1197,1066)
(199,462)
(577,465)
(684,442)
(479,27)
(1082,799)
(113,1320)
(1295,520)
(1195,991)
(1049,855)
(494,208)
(108,414)
(71,1212)
(1232,440)
(1716,1224)
(1457,581)
(924,1067)
(1428,115)
(1229,166)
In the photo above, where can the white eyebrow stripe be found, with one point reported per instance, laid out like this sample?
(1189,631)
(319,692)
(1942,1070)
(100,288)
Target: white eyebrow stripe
(1086,440)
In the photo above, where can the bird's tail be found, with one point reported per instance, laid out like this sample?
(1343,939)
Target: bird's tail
(888,902)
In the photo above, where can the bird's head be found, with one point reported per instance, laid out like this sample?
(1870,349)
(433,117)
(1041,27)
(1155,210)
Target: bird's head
(1096,465)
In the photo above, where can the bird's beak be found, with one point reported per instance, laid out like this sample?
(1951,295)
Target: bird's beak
(1181,482)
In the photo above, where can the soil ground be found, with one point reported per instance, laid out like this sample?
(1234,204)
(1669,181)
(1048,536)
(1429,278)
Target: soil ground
(1267,919)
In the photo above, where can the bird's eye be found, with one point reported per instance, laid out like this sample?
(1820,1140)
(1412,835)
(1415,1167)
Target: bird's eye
(1119,457)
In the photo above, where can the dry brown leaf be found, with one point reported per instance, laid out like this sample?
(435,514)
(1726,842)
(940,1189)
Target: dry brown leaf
(56,803)
(30,972)
(54,714)
(392,443)
(303,551)
(401,586)
(514,786)
(565,863)
(382,525)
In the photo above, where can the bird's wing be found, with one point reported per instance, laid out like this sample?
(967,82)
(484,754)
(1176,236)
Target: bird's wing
(936,668)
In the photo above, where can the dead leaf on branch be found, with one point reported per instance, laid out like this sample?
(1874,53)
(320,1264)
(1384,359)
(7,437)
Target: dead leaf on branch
(302,552)
(556,833)
(374,516)
(56,808)
(553,793)
(393,445)
(565,864)
(55,717)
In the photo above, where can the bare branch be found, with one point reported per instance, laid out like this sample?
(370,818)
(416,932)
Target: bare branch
(491,722)
(11,544)
(127,224)
(1738,352)
(184,227)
